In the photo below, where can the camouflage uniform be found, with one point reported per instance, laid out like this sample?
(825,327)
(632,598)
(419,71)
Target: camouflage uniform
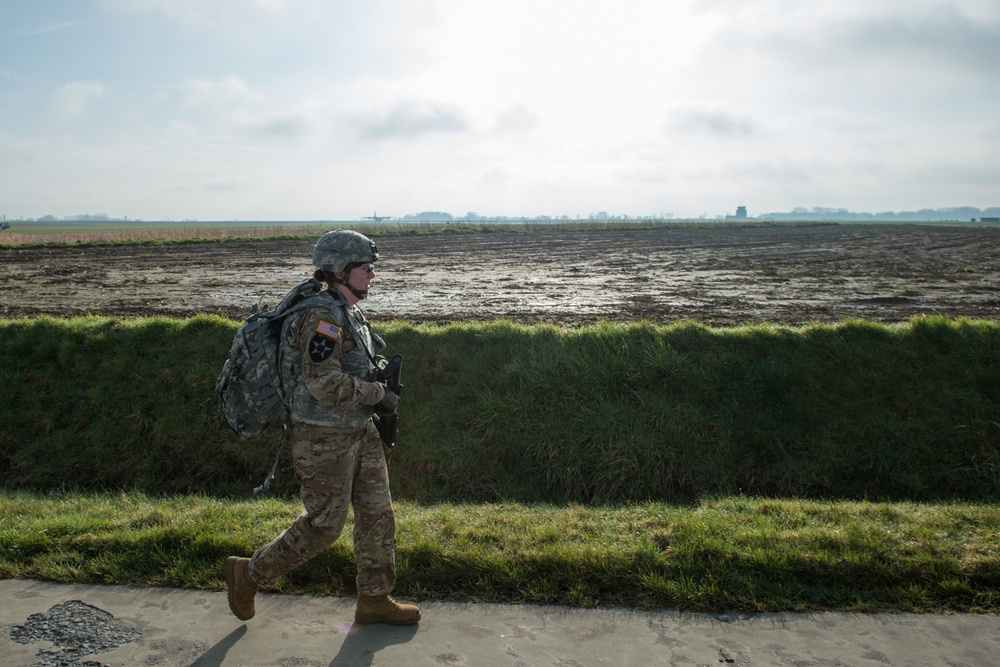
(337,453)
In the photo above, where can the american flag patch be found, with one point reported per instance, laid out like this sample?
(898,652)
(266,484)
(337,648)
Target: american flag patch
(328,330)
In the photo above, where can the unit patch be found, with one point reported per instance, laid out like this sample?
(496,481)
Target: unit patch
(323,342)
(320,348)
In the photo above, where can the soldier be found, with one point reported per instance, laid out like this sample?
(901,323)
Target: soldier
(328,355)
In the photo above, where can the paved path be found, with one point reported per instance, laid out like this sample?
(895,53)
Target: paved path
(53,624)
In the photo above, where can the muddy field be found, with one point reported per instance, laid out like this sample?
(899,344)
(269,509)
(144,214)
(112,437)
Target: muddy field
(718,275)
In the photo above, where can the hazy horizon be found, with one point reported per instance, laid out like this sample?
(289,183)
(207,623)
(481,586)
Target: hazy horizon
(956,213)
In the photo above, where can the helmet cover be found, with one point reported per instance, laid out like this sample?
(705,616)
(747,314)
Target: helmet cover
(337,249)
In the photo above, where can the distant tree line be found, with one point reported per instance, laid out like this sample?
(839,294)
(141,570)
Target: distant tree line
(81,217)
(439,216)
(958,214)
(955,214)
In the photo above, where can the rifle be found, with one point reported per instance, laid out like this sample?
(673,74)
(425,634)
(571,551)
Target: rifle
(388,422)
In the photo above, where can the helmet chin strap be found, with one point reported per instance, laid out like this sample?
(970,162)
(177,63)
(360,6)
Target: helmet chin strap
(359,294)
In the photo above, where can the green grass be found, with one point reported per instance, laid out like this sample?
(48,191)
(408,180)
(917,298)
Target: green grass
(496,412)
(853,466)
(725,553)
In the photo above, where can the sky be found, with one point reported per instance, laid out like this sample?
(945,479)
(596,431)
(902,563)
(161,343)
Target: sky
(336,109)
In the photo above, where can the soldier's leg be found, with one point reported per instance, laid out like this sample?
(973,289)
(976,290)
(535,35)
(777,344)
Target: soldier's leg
(324,461)
(374,520)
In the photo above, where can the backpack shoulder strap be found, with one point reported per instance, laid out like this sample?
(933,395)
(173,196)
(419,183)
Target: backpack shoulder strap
(305,290)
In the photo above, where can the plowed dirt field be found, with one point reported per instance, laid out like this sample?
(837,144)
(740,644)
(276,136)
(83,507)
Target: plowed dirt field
(718,275)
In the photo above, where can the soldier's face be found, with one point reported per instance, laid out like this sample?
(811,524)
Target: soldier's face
(361,277)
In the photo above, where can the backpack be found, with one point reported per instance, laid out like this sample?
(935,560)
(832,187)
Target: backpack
(250,388)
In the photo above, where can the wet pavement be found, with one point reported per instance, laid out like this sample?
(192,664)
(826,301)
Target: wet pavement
(43,624)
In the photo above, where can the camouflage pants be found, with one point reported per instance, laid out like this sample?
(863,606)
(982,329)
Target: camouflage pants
(337,470)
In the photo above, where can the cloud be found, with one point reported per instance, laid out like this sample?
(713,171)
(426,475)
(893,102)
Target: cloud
(54,27)
(908,47)
(206,93)
(516,118)
(222,107)
(959,173)
(181,129)
(222,186)
(943,35)
(198,12)
(847,123)
(283,126)
(709,120)
(412,118)
(73,99)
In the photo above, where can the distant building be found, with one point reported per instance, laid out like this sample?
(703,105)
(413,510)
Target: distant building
(741,214)
(989,219)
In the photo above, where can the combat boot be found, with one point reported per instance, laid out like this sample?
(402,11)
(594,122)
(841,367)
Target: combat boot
(242,589)
(383,609)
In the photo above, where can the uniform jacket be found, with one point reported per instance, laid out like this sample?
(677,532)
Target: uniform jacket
(328,357)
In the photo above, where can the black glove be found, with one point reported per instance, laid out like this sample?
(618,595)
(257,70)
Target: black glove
(390,401)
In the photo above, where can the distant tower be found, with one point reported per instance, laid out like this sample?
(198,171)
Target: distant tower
(741,212)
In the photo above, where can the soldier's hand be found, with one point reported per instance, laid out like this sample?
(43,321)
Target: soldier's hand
(390,401)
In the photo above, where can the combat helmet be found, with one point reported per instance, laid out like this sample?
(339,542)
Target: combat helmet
(337,250)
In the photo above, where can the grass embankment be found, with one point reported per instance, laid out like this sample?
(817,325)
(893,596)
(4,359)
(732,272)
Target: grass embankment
(498,411)
(733,553)
(578,440)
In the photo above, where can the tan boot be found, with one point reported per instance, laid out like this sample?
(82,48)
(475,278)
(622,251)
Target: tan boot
(242,589)
(383,609)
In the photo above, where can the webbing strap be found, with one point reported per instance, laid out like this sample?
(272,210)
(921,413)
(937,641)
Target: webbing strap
(269,405)
(266,484)
(256,357)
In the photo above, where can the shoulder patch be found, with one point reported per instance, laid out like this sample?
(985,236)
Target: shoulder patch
(327,329)
(320,348)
